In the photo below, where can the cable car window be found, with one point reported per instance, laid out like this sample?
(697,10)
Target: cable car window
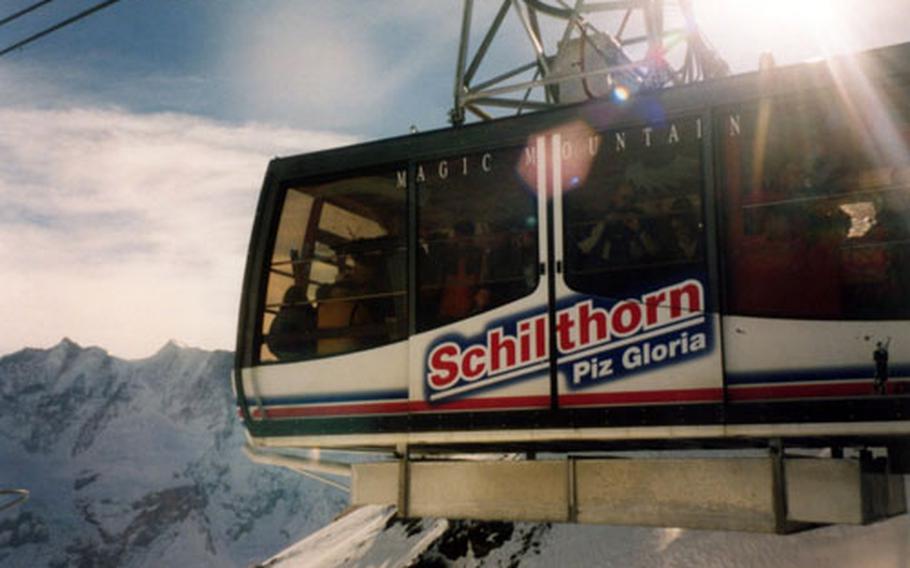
(338,271)
(817,205)
(477,235)
(633,209)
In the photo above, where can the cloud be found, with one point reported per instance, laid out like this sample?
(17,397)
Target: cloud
(125,230)
(340,65)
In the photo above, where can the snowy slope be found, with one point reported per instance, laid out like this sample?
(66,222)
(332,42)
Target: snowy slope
(139,463)
(370,537)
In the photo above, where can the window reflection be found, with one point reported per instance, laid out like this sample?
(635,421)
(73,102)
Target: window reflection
(636,222)
(820,230)
(477,235)
(337,278)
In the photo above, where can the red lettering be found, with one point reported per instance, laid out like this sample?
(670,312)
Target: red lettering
(588,316)
(497,344)
(540,334)
(576,327)
(524,336)
(692,290)
(564,324)
(652,303)
(443,367)
(469,371)
(626,317)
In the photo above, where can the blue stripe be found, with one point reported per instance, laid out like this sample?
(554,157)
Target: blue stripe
(815,374)
(358,396)
(738,378)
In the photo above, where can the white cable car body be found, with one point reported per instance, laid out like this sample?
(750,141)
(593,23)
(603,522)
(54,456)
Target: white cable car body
(717,264)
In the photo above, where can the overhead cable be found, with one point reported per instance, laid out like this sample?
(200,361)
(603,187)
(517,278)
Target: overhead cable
(24,11)
(55,27)
(19,496)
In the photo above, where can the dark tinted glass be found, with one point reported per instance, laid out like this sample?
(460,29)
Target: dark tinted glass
(816,194)
(477,233)
(337,276)
(633,209)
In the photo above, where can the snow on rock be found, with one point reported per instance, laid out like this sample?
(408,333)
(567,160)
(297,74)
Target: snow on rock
(139,463)
(373,537)
(365,537)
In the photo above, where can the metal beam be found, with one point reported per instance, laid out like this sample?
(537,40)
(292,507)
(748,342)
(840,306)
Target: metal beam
(297,463)
(462,55)
(697,62)
(720,493)
(504,76)
(485,43)
(536,43)
(513,103)
(632,66)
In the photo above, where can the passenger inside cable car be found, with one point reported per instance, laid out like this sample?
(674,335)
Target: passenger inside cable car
(348,316)
(338,272)
(636,223)
(815,214)
(461,262)
(477,240)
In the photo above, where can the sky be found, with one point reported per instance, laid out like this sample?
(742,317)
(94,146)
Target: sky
(133,143)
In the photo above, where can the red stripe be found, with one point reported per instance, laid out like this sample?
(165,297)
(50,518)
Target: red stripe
(641,397)
(336,410)
(483,403)
(405,406)
(503,403)
(768,392)
(801,391)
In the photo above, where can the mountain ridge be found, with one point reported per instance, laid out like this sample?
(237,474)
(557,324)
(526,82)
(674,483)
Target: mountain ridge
(66,344)
(139,462)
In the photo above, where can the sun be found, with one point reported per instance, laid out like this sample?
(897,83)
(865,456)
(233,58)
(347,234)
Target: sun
(792,30)
(822,21)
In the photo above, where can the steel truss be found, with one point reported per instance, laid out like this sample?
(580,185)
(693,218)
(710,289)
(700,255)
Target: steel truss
(670,51)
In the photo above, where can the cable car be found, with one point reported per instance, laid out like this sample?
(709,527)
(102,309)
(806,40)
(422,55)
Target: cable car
(713,264)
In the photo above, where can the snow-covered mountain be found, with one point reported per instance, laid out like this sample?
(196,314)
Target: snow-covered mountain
(371,536)
(139,463)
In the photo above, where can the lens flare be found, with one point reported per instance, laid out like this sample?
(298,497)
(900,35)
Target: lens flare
(621,94)
(578,145)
